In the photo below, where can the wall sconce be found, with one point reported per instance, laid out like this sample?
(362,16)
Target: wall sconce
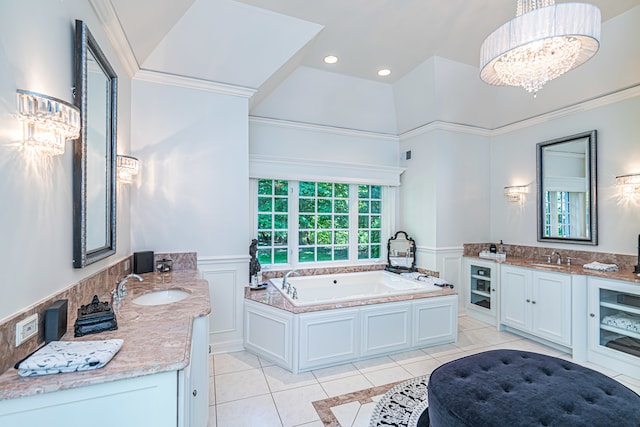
(629,185)
(127,168)
(47,122)
(515,193)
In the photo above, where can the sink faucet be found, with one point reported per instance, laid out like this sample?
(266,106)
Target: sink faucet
(559,257)
(286,276)
(121,289)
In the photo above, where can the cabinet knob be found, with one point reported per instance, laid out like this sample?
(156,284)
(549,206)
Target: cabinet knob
(528,300)
(493,290)
(592,315)
(533,302)
(195,393)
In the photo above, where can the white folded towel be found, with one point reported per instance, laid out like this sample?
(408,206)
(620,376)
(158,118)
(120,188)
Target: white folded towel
(69,356)
(595,265)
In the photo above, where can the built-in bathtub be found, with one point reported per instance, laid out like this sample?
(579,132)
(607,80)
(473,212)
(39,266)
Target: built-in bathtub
(361,315)
(338,288)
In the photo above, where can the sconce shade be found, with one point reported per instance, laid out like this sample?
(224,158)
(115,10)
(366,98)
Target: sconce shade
(127,168)
(629,185)
(515,193)
(541,43)
(47,122)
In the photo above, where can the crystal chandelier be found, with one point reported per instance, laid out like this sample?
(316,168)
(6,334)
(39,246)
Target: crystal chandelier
(542,42)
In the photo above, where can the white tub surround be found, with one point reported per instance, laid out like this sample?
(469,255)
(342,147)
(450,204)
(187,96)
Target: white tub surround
(304,337)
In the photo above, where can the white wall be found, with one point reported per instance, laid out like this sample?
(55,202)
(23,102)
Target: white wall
(513,162)
(36,54)
(445,190)
(323,98)
(193,189)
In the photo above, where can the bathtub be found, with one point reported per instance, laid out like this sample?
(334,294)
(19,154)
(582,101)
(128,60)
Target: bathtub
(343,318)
(336,288)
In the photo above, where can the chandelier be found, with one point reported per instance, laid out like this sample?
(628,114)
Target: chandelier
(542,42)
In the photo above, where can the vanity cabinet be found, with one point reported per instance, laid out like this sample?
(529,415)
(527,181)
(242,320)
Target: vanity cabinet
(148,400)
(536,302)
(481,299)
(614,325)
(193,391)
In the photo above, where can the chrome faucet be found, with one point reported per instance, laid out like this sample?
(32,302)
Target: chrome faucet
(286,276)
(559,257)
(121,289)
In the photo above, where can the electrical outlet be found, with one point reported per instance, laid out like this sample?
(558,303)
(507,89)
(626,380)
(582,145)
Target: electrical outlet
(26,328)
(126,265)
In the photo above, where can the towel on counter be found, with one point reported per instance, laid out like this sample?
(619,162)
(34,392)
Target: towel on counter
(69,356)
(595,265)
(427,279)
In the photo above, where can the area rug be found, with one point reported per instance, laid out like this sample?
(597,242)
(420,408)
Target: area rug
(403,406)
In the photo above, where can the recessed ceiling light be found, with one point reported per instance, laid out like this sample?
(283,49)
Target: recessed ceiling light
(331,59)
(384,72)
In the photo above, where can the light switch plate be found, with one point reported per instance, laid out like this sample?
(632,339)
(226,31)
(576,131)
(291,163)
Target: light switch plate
(26,328)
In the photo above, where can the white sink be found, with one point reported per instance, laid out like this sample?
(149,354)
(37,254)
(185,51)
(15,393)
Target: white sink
(161,297)
(549,265)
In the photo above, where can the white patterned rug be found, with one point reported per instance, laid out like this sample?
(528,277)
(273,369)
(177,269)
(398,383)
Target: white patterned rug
(403,405)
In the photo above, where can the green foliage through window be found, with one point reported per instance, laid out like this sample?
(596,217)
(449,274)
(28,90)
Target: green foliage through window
(324,218)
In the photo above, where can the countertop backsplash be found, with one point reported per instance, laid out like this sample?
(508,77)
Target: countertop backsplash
(100,283)
(539,253)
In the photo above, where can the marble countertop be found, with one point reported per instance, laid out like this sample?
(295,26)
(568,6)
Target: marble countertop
(273,297)
(156,338)
(628,276)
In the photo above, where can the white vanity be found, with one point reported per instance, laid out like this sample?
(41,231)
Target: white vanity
(159,377)
(587,314)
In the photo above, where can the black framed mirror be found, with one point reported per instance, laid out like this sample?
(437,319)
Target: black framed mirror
(94,153)
(566,199)
(401,253)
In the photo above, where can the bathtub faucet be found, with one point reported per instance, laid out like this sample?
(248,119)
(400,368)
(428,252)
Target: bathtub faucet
(286,276)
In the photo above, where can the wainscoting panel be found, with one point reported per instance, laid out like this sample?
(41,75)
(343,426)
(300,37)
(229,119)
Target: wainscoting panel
(227,277)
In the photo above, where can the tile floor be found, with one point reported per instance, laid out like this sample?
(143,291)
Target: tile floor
(248,391)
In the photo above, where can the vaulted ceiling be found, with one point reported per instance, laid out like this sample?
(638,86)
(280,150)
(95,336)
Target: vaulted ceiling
(245,42)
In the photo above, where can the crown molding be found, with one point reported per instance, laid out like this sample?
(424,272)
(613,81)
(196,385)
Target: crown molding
(321,128)
(193,83)
(109,19)
(590,104)
(447,126)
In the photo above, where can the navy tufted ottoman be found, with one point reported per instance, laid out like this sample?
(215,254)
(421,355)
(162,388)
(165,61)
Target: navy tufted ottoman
(519,388)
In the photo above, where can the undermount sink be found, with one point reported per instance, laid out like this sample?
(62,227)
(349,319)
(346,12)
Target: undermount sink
(161,297)
(541,264)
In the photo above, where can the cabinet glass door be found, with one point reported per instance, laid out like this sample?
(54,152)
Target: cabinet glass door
(480,286)
(620,321)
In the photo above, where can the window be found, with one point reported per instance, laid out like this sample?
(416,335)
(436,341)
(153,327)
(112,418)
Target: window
(369,221)
(330,221)
(273,221)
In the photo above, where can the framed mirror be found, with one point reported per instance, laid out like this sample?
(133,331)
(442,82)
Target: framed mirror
(94,153)
(401,253)
(567,208)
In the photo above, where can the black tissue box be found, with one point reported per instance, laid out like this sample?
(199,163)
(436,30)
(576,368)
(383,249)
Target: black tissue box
(55,321)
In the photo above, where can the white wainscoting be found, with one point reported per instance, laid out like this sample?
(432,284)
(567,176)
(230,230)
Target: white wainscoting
(227,277)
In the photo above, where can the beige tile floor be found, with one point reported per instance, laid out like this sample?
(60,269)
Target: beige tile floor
(248,391)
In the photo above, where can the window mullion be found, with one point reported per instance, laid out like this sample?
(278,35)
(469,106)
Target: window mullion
(353,222)
(293,223)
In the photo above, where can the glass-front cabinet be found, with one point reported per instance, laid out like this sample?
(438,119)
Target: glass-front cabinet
(482,282)
(614,324)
